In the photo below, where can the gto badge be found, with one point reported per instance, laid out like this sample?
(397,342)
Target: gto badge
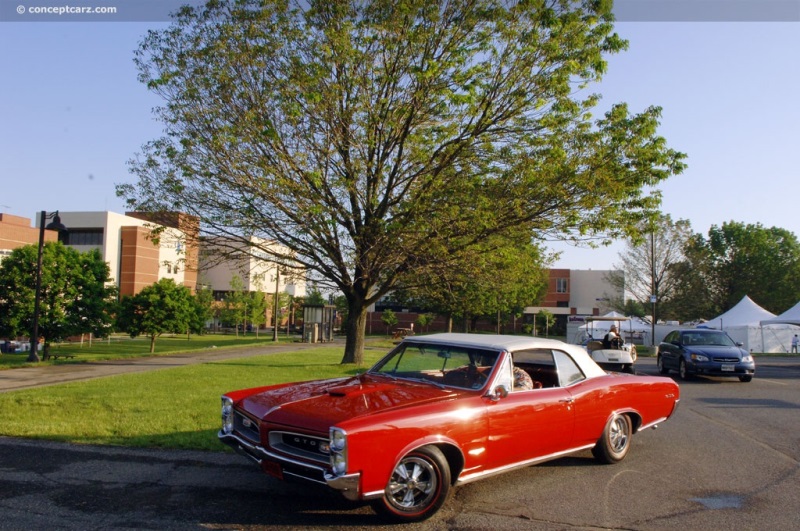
(247,423)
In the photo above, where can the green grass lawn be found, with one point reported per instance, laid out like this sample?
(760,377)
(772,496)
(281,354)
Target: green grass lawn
(121,347)
(171,408)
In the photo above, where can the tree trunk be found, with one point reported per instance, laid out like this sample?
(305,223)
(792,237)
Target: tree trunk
(355,328)
(152,344)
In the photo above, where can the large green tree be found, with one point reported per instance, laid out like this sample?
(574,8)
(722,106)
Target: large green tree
(740,259)
(76,295)
(378,139)
(163,307)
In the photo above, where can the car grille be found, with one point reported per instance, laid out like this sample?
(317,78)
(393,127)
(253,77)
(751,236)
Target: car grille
(722,359)
(246,426)
(301,445)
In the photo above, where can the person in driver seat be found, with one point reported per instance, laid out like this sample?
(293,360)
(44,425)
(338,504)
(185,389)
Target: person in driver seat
(612,339)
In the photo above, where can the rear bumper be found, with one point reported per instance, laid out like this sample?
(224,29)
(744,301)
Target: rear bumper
(348,485)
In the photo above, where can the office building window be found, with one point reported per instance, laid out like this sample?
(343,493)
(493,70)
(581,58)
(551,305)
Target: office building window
(85,237)
(561,285)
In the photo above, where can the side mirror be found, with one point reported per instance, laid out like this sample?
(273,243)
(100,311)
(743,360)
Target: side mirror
(739,344)
(499,392)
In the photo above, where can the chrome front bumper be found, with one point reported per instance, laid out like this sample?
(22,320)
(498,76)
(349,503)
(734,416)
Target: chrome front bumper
(348,485)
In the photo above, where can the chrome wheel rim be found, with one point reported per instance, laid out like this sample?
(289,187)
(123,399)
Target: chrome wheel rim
(412,485)
(618,434)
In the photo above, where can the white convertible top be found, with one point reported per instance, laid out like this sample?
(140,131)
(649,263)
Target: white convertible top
(513,344)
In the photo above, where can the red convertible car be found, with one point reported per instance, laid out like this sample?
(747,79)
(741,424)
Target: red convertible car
(440,411)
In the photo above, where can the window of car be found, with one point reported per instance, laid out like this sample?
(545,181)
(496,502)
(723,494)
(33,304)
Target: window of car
(450,365)
(672,337)
(568,371)
(534,357)
(708,338)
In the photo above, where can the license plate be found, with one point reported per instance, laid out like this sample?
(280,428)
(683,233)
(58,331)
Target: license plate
(728,367)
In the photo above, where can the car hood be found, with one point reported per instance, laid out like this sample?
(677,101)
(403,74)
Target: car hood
(320,404)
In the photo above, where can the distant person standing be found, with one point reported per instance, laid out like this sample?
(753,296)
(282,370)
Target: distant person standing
(795,342)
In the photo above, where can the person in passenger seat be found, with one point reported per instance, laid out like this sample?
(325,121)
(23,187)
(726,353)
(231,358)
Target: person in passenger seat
(522,380)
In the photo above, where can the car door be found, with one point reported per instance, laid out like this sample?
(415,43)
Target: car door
(669,351)
(528,424)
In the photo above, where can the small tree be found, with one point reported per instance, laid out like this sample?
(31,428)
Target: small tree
(256,309)
(234,307)
(424,320)
(203,310)
(545,319)
(163,307)
(75,297)
(389,319)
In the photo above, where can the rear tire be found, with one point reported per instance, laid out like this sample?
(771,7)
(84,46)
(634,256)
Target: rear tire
(661,368)
(613,445)
(418,487)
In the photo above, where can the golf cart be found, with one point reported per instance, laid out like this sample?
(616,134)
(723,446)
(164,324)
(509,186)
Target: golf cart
(619,359)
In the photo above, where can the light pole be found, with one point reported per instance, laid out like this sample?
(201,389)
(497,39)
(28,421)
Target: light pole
(277,285)
(62,230)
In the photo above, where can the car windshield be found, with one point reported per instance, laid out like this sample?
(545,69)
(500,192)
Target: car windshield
(448,365)
(708,339)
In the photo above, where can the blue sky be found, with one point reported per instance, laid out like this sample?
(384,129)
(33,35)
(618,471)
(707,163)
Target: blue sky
(72,113)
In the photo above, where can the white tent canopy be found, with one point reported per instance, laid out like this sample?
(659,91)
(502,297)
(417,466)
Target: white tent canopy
(790,316)
(744,323)
(746,313)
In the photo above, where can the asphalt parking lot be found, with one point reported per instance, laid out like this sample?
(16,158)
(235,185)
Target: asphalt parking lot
(728,459)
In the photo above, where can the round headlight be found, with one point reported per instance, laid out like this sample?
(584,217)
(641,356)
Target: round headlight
(227,415)
(338,440)
(338,464)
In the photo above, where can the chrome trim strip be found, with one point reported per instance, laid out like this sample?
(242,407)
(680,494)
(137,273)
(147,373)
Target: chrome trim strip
(522,464)
(348,485)
(266,453)
(652,424)
(373,495)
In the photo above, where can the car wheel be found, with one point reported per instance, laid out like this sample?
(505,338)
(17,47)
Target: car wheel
(418,487)
(746,378)
(684,374)
(613,445)
(661,368)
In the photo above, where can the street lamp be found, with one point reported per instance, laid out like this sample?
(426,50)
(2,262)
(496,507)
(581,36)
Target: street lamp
(62,231)
(277,300)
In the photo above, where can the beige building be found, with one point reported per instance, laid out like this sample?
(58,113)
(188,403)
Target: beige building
(126,242)
(256,269)
(574,294)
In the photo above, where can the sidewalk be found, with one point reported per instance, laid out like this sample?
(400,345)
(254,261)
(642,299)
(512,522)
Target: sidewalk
(15,379)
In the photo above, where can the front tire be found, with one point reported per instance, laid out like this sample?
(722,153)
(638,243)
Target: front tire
(418,487)
(613,445)
(684,374)
(746,378)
